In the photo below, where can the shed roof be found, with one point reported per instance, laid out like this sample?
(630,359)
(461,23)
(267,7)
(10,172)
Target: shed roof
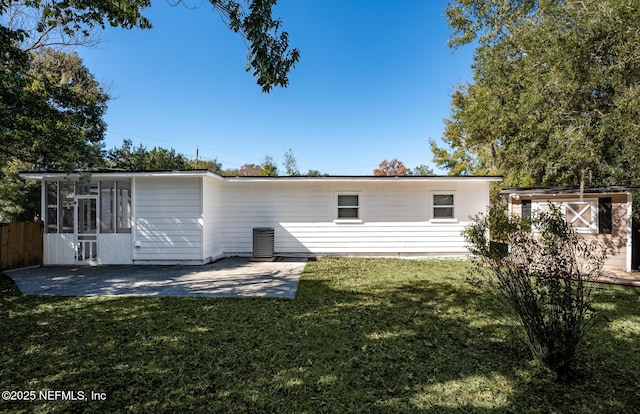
(566,190)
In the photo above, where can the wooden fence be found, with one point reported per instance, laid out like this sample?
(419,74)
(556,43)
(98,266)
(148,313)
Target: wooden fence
(20,244)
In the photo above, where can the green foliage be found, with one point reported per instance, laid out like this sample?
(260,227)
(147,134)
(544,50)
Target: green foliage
(19,201)
(138,158)
(362,335)
(421,170)
(290,163)
(52,110)
(269,56)
(211,165)
(315,173)
(554,99)
(545,277)
(268,168)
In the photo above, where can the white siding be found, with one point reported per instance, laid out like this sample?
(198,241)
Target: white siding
(59,249)
(396,217)
(212,213)
(168,221)
(115,248)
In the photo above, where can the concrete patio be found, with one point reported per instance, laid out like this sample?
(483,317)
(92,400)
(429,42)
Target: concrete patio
(229,277)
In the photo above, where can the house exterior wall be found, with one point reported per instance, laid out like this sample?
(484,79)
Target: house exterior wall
(395,217)
(168,220)
(212,215)
(616,244)
(115,248)
(58,249)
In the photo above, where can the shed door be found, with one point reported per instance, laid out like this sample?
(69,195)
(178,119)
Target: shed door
(86,229)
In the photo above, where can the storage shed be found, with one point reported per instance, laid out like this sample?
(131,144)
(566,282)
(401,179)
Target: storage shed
(597,213)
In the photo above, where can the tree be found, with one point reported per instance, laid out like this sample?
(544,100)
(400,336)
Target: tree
(131,158)
(422,170)
(211,165)
(51,112)
(554,98)
(391,168)
(269,57)
(315,173)
(250,170)
(268,168)
(545,278)
(290,163)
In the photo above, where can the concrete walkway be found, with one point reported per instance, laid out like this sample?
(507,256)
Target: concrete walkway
(227,277)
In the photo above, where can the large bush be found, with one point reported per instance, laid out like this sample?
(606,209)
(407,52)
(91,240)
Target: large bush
(546,277)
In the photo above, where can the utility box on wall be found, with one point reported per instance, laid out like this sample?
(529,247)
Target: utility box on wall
(263,243)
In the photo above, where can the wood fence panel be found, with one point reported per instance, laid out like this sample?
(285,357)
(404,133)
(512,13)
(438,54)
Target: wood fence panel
(20,244)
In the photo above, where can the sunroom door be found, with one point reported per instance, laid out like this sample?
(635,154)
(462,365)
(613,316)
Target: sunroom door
(86,214)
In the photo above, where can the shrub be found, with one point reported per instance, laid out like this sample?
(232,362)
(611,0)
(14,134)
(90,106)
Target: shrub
(545,277)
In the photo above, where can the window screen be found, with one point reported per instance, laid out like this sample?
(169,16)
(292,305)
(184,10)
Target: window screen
(348,206)
(442,206)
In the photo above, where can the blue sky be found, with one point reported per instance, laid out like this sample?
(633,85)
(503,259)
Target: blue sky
(373,82)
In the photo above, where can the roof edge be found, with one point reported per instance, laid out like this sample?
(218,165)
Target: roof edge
(42,175)
(534,191)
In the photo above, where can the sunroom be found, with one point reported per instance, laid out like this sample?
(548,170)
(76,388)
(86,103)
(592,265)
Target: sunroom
(87,221)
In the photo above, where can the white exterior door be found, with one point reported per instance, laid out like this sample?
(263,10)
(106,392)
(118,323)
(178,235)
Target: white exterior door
(86,231)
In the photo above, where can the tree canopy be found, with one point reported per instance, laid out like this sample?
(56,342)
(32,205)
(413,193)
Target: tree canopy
(51,107)
(555,97)
(396,168)
(269,56)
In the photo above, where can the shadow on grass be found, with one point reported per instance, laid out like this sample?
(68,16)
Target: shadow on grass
(362,335)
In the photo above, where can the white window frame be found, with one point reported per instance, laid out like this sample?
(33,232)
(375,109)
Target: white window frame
(432,207)
(348,220)
(592,203)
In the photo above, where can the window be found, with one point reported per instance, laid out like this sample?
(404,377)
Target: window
(66,206)
(605,221)
(123,206)
(107,201)
(526,212)
(52,206)
(348,206)
(443,206)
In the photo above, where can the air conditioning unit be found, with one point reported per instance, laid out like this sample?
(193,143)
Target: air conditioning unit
(263,243)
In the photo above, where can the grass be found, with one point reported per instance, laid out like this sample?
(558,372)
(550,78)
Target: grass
(362,335)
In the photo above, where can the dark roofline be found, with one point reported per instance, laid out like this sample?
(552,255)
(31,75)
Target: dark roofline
(566,190)
(280,177)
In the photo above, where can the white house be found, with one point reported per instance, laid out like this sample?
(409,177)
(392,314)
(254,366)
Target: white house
(196,216)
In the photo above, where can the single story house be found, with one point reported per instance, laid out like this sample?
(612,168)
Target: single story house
(597,213)
(196,216)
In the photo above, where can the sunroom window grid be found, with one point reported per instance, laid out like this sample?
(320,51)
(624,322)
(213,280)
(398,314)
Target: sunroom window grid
(123,202)
(52,206)
(66,221)
(107,206)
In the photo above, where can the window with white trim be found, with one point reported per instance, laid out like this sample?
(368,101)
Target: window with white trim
(443,206)
(348,207)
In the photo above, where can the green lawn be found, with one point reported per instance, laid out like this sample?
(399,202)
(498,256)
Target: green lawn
(362,335)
